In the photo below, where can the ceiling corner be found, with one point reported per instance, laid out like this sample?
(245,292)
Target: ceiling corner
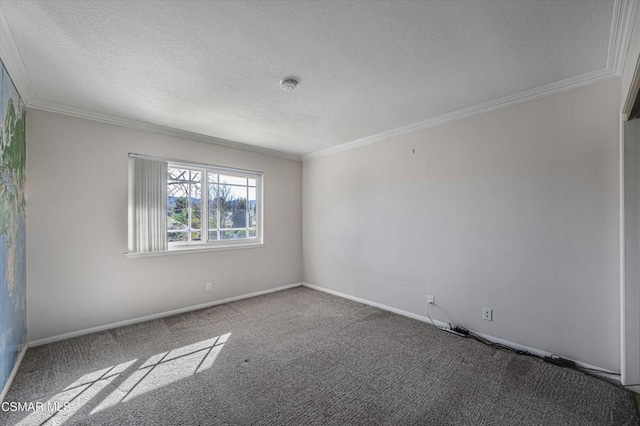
(624,12)
(156,128)
(13,63)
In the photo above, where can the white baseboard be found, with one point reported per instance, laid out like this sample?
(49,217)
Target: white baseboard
(7,385)
(633,388)
(104,327)
(377,305)
(612,375)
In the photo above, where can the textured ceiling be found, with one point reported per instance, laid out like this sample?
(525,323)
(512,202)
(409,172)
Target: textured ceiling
(365,67)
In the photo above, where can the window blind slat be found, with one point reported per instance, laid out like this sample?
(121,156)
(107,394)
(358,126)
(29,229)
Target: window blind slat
(147,205)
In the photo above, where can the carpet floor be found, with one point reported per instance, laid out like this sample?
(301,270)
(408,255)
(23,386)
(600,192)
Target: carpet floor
(300,357)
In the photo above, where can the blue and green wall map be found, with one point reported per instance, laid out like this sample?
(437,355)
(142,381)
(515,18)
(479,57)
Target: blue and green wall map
(13,271)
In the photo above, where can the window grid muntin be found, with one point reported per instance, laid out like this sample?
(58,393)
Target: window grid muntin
(188,183)
(252,179)
(223,228)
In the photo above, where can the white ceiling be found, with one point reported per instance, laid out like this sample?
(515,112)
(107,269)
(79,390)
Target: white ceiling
(365,67)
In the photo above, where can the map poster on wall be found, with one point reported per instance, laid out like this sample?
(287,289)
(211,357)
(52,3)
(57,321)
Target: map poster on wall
(12,227)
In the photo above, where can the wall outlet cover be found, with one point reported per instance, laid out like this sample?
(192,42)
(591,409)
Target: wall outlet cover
(487,314)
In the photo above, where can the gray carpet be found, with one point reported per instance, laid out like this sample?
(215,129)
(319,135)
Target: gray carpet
(301,357)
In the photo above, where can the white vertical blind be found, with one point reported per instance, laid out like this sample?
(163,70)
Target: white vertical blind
(147,205)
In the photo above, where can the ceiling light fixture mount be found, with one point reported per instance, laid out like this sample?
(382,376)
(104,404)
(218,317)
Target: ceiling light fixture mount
(289,84)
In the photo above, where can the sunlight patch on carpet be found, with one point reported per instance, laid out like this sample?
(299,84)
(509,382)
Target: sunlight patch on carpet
(154,373)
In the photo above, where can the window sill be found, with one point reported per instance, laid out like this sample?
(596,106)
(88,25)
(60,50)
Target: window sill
(194,249)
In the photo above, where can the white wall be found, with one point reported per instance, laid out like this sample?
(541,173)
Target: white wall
(516,209)
(77,274)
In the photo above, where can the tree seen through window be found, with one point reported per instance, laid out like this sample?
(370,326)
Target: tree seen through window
(230,200)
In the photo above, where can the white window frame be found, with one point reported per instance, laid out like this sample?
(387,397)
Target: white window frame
(206,245)
(203,199)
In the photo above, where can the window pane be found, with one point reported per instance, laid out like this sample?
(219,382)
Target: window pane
(213,207)
(213,218)
(196,206)
(233,234)
(177,199)
(174,236)
(233,206)
(177,174)
(184,204)
(177,213)
(233,180)
(177,203)
(252,207)
(176,189)
(231,211)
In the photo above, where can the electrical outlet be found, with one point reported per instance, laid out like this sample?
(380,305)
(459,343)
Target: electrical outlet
(431,300)
(487,314)
(208,286)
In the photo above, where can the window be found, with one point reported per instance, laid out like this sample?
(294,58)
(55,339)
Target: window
(205,206)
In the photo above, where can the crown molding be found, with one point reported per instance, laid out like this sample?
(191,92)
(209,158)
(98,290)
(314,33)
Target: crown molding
(619,38)
(571,83)
(622,20)
(16,69)
(13,62)
(154,128)
(624,12)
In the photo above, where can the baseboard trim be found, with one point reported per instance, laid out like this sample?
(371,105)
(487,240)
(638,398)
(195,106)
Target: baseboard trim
(610,375)
(7,385)
(633,388)
(64,336)
(377,305)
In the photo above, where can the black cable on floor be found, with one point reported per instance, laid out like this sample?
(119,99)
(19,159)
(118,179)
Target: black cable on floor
(584,370)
